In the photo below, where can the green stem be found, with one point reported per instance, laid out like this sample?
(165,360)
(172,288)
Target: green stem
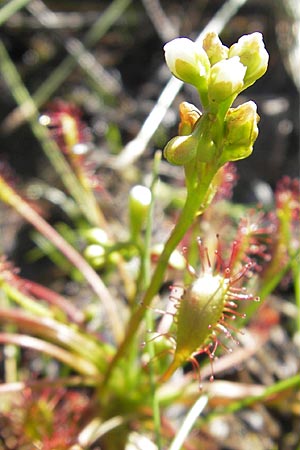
(193,201)
(149,313)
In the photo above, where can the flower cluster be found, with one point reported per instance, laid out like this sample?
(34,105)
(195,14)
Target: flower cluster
(219,73)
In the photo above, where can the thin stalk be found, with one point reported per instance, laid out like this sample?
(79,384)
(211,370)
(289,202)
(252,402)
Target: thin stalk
(153,385)
(193,201)
(85,202)
(149,225)
(149,314)
(11,8)
(9,196)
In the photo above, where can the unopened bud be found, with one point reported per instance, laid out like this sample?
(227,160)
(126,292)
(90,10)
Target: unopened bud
(241,132)
(214,48)
(253,55)
(226,79)
(139,202)
(95,254)
(181,150)
(96,236)
(187,61)
(189,116)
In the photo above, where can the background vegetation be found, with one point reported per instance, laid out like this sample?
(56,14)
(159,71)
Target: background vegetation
(102,63)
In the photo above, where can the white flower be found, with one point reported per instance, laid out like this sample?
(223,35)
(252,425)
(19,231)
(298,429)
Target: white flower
(226,79)
(187,60)
(252,53)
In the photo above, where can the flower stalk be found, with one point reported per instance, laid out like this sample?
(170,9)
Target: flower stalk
(205,144)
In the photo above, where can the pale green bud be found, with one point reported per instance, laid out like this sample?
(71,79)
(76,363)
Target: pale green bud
(96,236)
(241,124)
(181,150)
(241,132)
(95,254)
(253,55)
(226,79)
(140,198)
(214,48)
(187,61)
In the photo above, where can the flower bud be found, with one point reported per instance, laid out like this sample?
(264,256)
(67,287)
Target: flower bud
(96,236)
(95,254)
(214,48)
(181,150)
(226,79)
(139,202)
(253,55)
(241,132)
(189,116)
(187,61)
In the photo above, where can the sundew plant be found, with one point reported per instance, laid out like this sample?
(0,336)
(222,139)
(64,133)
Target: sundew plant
(142,363)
